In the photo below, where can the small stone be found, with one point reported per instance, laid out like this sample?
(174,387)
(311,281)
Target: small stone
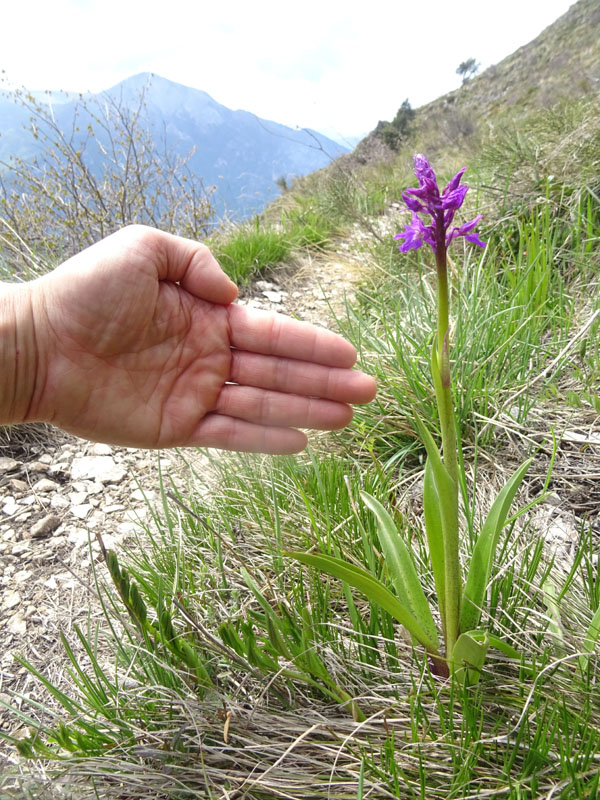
(51,582)
(99,449)
(45,526)
(273,297)
(103,469)
(112,508)
(17,624)
(45,485)
(78,537)
(81,486)
(18,485)
(126,528)
(81,511)
(37,466)
(58,469)
(20,547)
(59,502)
(143,496)
(11,600)
(77,498)
(8,464)
(10,506)
(22,575)
(46,458)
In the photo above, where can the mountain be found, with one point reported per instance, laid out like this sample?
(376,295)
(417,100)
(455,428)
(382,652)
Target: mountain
(236,151)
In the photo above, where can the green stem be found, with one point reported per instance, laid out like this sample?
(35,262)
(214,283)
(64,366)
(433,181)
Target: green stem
(443,387)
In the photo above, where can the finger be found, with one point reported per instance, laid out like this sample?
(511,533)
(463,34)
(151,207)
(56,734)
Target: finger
(195,268)
(301,377)
(227,433)
(276,409)
(274,334)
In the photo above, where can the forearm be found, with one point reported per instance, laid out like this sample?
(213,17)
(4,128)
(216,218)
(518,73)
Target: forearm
(18,354)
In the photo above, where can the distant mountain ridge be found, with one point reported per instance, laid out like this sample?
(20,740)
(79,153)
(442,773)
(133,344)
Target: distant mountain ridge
(236,151)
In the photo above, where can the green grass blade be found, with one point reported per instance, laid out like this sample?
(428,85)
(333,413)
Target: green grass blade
(373,589)
(482,559)
(401,568)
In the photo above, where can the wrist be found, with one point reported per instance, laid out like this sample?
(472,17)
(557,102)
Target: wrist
(19,355)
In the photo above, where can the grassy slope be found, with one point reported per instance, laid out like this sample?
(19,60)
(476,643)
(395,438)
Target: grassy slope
(230,678)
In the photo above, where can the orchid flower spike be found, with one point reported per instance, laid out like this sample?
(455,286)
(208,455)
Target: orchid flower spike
(441,207)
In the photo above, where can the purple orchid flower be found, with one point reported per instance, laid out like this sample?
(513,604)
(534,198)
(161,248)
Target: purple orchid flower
(441,207)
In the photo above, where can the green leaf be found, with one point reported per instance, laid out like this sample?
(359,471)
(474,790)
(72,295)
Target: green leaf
(401,568)
(373,589)
(482,560)
(435,535)
(447,493)
(496,642)
(468,658)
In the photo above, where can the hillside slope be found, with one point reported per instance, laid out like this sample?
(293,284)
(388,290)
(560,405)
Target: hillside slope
(562,63)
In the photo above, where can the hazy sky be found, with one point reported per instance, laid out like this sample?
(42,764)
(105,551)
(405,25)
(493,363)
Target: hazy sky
(336,67)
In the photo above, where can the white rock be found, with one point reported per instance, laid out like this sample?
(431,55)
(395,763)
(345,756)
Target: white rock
(11,600)
(10,506)
(126,528)
(17,624)
(8,464)
(81,511)
(97,468)
(99,449)
(273,297)
(21,576)
(51,582)
(143,496)
(59,502)
(78,537)
(77,498)
(112,508)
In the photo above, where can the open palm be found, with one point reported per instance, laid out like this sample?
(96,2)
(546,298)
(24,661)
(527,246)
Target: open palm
(141,346)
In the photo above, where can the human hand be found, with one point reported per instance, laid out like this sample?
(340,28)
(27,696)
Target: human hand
(136,342)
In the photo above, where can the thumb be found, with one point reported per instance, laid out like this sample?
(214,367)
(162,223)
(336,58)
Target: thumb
(194,267)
